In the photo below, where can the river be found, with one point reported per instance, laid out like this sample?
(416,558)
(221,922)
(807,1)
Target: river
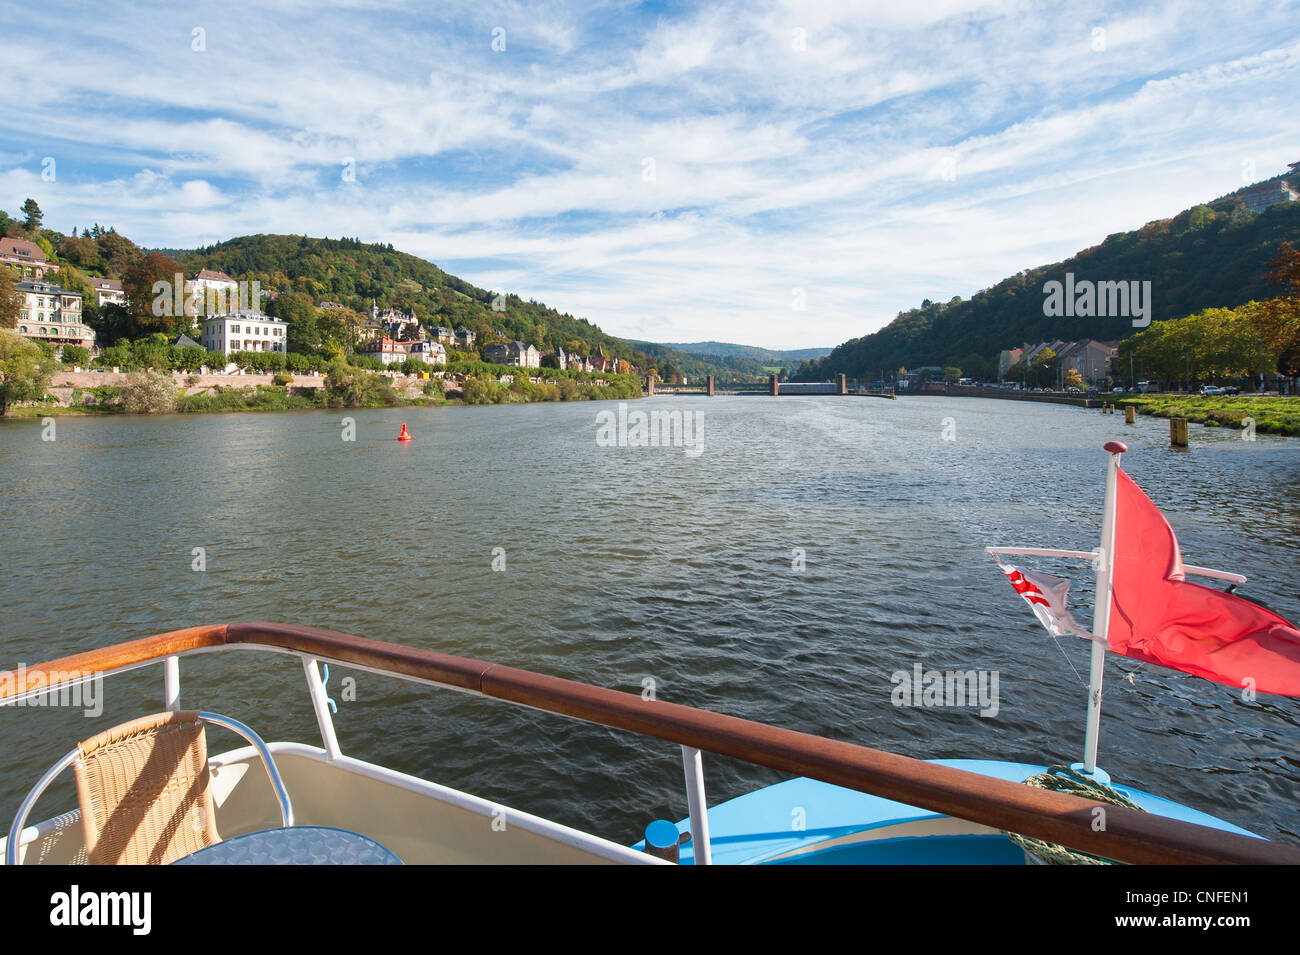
(815,546)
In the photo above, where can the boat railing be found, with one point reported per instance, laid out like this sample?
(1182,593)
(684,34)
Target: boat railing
(1126,836)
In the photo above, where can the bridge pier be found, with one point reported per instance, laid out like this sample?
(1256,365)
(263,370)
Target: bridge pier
(773,386)
(650,386)
(842,385)
(708,386)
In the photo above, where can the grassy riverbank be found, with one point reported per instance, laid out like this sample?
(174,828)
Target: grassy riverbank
(362,392)
(1272,415)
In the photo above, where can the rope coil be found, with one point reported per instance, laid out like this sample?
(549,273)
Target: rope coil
(1067,780)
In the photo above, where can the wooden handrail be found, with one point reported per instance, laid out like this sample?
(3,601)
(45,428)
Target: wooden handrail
(1128,836)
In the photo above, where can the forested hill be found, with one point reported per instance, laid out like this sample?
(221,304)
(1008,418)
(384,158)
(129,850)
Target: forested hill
(766,356)
(1202,258)
(353,274)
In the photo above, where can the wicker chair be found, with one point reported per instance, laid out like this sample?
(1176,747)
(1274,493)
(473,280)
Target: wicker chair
(145,790)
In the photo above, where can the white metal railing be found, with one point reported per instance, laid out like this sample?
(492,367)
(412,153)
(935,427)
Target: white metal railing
(692,759)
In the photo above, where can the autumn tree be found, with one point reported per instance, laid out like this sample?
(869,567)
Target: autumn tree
(1278,319)
(81,251)
(118,252)
(151,296)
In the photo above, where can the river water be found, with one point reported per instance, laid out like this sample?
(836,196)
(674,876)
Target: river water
(814,547)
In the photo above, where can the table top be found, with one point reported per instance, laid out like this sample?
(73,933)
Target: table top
(299,845)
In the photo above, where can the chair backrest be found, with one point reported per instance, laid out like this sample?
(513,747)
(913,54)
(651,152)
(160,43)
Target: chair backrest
(145,792)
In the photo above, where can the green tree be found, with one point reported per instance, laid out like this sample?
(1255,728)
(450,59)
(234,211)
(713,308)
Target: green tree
(76,355)
(10,300)
(1042,368)
(297,310)
(24,370)
(149,392)
(33,215)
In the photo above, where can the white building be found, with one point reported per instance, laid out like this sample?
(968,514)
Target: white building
(109,291)
(431,352)
(243,331)
(208,279)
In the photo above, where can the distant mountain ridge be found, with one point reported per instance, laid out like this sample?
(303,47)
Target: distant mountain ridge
(1210,256)
(765,355)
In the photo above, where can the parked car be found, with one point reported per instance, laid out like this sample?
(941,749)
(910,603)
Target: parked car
(1230,390)
(1210,390)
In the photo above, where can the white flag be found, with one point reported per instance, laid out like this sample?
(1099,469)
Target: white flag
(1047,597)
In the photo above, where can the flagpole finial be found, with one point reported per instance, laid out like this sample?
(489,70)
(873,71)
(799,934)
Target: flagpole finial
(1115,447)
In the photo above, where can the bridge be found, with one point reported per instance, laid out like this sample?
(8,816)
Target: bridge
(772,388)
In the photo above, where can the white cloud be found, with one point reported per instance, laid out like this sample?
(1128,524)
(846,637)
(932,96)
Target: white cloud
(821,168)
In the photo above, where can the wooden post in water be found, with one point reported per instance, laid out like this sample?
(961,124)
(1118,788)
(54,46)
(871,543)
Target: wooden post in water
(1130,414)
(1178,432)
(708,385)
(775,388)
(842,384)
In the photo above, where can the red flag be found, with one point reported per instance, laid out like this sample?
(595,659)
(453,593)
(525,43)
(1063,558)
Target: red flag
(1156,615)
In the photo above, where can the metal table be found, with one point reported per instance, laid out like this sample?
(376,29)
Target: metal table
(299,845)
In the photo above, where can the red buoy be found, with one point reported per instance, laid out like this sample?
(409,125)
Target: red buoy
(403,436)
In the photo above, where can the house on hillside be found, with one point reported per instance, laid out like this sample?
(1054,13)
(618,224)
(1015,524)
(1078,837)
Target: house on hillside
(432,353)
(516,354)
(108,291)
(208,279)
(244,330)
(393,352)
(48,313)
(464,339)
(27,259)
(1265,194)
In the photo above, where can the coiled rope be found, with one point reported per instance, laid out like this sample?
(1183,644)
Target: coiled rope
(1067,780)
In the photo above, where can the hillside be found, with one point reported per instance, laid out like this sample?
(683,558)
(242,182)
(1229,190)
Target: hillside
(1204,257)
(354,274)
(764,356)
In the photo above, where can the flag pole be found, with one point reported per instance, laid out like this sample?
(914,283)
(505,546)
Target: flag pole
(1101,613)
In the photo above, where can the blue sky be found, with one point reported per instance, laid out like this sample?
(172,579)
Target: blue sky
(776,173)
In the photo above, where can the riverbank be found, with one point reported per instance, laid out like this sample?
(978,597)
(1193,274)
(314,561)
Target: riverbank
(1271,414)
(96,393)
